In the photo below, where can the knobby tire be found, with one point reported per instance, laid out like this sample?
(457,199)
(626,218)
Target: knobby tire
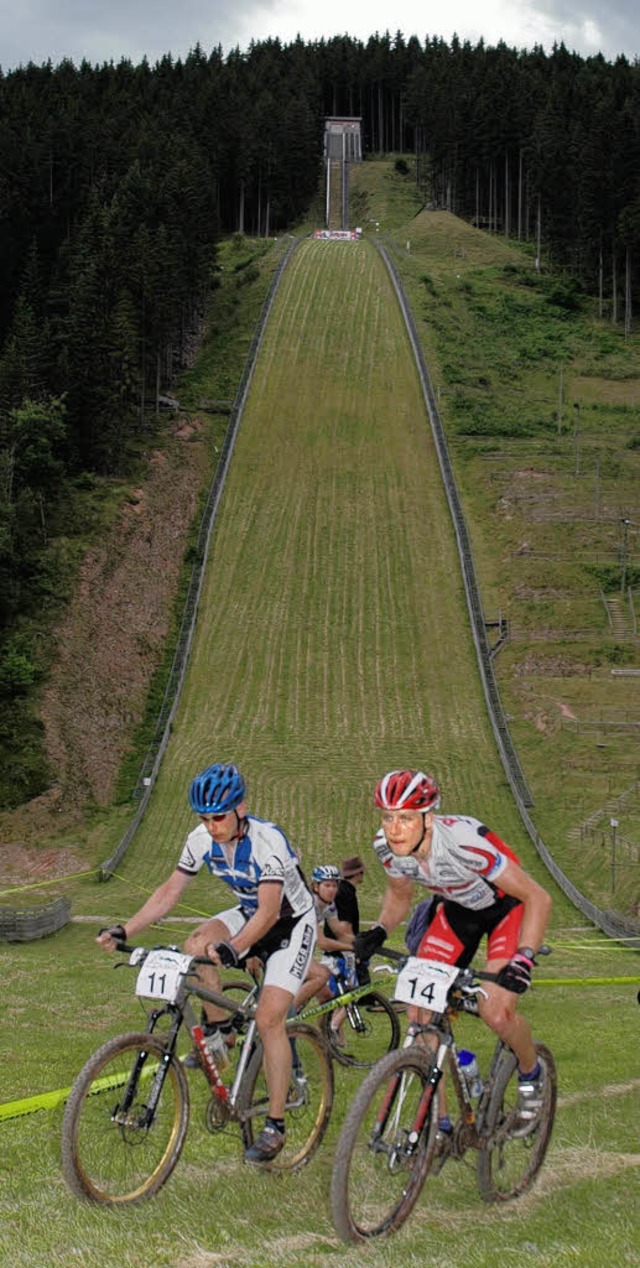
(509,1166)
(362,1049)
(108,1156)
(377,1178)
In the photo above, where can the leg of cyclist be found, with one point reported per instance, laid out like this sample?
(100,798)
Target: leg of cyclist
(285,970)
(271,1016)
(499,1013)
(219,929)
(315,982)
(499,1010)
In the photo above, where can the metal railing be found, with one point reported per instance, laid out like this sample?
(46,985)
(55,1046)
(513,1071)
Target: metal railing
(497,716)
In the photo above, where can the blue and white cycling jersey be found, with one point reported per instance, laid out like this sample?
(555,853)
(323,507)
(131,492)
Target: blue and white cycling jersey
(262,855)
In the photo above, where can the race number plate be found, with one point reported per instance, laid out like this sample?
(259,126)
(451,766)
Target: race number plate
(425,983)
(161,975)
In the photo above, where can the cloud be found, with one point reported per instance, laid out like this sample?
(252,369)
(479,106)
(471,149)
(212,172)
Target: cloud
(39,30)
(105,30)
(593,25)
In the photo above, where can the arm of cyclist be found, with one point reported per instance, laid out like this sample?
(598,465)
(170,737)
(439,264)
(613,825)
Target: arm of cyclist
(161,902)
(395,906)
(269,898)
(342,939)
(516,975)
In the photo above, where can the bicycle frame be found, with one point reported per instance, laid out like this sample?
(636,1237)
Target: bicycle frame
(344,999)
(392,1136)
(183,1014)
(469,1134)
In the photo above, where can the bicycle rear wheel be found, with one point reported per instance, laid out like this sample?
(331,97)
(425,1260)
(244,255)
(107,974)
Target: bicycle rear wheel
(386,1147)
(109,1153)
(369,1030)
(508,1167)
(309,1103)
(238,988)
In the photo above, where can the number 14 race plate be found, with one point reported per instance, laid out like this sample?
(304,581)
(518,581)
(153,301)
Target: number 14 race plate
(425,983)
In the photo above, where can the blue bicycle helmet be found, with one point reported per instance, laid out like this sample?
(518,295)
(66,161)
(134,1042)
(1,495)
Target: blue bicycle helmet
(325,872)
(217,789)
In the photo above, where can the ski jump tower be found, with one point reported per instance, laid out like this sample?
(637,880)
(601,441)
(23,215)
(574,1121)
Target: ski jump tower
(342,146)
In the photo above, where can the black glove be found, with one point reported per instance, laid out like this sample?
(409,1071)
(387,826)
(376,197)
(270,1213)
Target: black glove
(116,932)
(516,975)
(227,955)
(366,944)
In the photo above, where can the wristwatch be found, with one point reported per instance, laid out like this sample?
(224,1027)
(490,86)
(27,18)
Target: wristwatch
(528,951)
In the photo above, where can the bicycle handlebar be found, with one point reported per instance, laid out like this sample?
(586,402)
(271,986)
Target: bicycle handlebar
(234,1008)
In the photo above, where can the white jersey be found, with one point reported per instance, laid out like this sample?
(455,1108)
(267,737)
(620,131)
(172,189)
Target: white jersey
(324,911)
(464,862)
(263,854)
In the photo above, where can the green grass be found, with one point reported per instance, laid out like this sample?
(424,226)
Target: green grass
(581,1211)
(332,644)
(318,663)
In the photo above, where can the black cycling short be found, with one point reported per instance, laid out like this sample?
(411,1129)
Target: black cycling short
(455,932)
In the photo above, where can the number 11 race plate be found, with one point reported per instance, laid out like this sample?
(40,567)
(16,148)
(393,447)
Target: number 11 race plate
(425,983)
(161,975)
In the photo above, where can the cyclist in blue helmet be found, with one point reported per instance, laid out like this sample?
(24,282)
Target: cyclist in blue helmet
(335,936)
(217,789)
(273,917)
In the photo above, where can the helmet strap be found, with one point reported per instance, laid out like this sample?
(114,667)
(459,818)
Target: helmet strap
(241,826)
(424,831)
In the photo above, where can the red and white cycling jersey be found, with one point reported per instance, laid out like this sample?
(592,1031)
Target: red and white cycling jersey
(464,862)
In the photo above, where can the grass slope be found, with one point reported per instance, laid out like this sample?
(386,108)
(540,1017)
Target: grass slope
(333,640)
(538,396)
(332,643)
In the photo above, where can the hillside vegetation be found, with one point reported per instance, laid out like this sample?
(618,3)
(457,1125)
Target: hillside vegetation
(332,643)
(539,399)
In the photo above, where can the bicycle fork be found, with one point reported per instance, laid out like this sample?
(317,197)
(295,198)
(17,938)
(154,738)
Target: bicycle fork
(122,1113)
(393,1102)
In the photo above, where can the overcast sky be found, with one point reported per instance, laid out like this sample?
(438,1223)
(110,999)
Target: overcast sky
(107,30)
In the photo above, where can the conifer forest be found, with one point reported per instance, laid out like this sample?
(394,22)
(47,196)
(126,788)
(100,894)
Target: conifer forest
(117,181)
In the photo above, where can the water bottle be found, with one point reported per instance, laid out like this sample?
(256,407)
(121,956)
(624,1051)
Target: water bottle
(218,1049)
(350,969)
(471,1070)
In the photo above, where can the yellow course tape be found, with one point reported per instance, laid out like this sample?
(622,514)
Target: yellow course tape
(586,981)
(56,880)
(51,1100)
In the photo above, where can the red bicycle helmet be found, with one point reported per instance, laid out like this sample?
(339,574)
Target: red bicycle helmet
(407,790)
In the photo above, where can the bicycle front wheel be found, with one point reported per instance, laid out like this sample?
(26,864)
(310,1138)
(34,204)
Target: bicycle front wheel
(369,1029)
(309,1103)
(515,1151)
(386,1147)
(114,1150)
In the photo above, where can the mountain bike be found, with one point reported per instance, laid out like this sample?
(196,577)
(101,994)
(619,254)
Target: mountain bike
(369,1026)
(127,1115)
(390,1142)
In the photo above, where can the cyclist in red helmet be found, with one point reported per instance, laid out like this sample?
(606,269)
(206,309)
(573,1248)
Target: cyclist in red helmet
(480,889)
